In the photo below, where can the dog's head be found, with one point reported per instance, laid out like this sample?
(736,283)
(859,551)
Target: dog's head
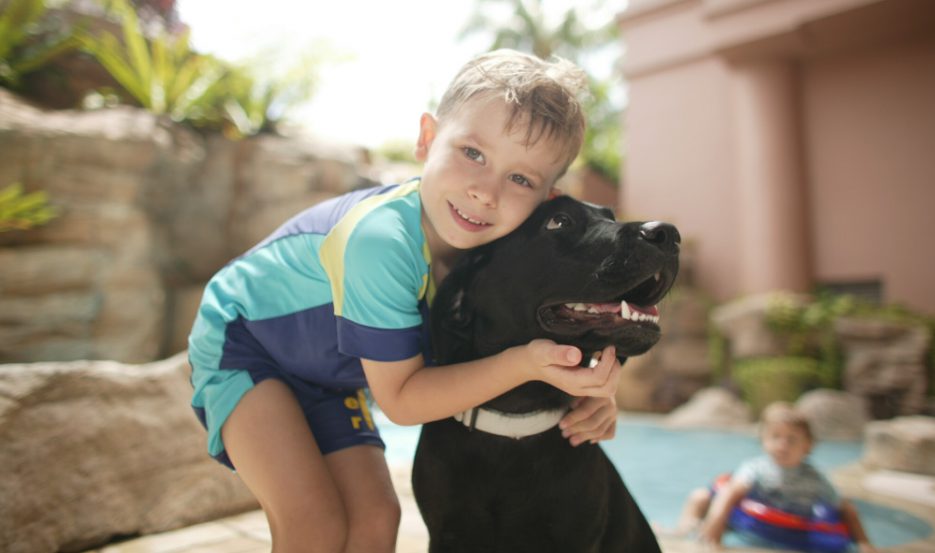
(569,273)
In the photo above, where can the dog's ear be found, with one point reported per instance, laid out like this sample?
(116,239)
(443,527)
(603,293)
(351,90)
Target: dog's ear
(453,312)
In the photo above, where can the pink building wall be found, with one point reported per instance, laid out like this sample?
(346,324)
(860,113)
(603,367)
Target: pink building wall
(792,141)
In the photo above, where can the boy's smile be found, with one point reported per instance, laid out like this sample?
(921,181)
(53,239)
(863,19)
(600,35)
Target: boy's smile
(469,223)
(480,180)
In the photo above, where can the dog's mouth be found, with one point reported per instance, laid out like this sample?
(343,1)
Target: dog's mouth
(636,307)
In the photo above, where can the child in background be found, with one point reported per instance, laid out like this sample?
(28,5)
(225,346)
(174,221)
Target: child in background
(336,300)
(783,478)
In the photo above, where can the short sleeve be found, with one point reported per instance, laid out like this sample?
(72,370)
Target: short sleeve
(748,471)
(377,282)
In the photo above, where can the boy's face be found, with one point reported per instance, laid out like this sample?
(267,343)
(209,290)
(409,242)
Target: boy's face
(787,444)
(479,181)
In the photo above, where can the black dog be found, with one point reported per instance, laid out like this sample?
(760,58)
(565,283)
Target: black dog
(572,274)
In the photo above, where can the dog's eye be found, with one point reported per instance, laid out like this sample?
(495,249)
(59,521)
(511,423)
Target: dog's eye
(558,221)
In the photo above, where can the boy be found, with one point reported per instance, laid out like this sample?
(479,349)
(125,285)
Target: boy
(783,477)
(336,300)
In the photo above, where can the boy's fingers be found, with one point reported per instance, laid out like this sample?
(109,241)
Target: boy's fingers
(606,376)
(581,410)
(603,431)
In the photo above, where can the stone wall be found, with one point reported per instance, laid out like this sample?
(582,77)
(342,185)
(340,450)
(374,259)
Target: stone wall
(149,210)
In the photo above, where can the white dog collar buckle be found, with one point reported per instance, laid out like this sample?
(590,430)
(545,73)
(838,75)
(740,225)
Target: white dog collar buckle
(510,425)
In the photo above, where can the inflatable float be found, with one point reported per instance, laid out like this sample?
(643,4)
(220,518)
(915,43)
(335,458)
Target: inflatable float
(822,532)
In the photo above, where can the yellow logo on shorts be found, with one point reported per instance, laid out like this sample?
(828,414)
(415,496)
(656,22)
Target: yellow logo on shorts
(359,403)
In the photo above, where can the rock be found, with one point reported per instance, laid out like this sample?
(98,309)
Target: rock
(903,444)
(885,363)
(711,408)
(743,323)
(834,415)
(93,450)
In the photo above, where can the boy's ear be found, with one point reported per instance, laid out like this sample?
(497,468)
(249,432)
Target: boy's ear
(427,129)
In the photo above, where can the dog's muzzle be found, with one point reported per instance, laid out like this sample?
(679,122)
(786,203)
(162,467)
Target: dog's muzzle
(510,425)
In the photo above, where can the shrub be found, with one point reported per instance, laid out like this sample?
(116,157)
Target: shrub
(163,74)
(19,211)
(29,39)
(768,379)
(809,329)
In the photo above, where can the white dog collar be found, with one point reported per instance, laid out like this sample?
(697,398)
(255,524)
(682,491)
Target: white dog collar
(510,425)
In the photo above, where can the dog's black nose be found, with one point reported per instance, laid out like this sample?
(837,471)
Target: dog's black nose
(662,235)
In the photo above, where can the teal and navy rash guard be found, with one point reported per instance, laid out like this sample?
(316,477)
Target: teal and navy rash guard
(343,280)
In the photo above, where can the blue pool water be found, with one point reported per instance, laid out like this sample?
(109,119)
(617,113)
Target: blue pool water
(661,466)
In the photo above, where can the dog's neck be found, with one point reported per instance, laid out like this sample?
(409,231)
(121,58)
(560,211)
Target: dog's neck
(527,410)
(509,425)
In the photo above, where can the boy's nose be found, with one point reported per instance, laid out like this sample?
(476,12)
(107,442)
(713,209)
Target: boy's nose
(485,191)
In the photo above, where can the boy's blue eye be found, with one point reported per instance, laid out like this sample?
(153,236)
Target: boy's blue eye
(521,180)
(473,153)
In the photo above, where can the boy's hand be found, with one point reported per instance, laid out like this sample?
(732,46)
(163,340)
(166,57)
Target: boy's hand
(558,365)
(591,419)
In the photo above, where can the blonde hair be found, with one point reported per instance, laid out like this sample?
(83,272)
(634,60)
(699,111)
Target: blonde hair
(544,95)
(781,412)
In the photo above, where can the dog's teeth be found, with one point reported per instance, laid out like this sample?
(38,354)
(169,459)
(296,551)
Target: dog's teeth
(657,276)
(594,359)
(635,316)
(593,309)
(581,307)
(624,310)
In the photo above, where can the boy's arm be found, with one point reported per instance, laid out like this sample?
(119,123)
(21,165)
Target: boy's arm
(410,393)
(852,521)
(715,523)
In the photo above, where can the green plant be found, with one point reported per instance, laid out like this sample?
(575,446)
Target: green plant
(255,97)
(19,211)
(718,354)
(28,39)
(162,73)
(767,379)
(809,328)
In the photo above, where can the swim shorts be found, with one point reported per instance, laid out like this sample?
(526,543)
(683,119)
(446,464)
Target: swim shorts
(338,418)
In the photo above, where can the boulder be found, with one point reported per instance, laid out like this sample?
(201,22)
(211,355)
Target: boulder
(834,415)
(711,408)
(904,444)
(96,450)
